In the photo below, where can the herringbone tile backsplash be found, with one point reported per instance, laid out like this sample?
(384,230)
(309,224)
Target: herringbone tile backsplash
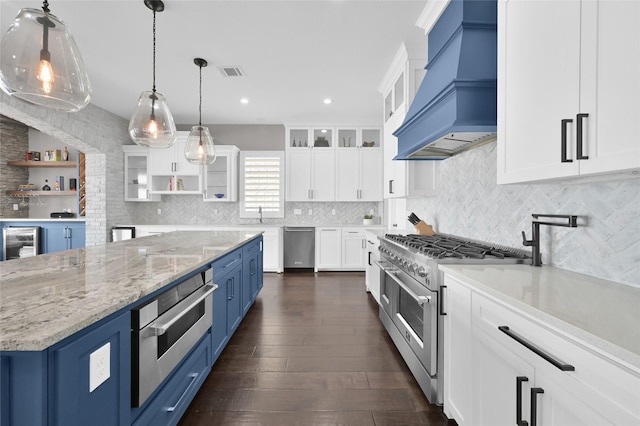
(606,243)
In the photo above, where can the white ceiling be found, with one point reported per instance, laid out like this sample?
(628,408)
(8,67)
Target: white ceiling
(294,55)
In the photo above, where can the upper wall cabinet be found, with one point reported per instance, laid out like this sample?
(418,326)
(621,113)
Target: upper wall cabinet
(137,181)
(358,165)
(403,178)
(171,172)
(221,177)
(568,96)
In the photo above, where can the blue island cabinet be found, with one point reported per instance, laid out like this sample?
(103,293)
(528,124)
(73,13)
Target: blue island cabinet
(252,269)
(52,387)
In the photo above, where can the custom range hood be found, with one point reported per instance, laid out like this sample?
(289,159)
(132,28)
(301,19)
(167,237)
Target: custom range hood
(455,106)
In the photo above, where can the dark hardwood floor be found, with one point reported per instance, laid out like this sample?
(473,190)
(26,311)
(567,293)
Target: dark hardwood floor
(311,351)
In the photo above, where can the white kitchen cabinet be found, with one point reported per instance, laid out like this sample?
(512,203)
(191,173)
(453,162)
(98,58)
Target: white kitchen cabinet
(359,174)
(457,353)
(354,249)
(310,175)
(221,177)
(493,374)
(402,178)
(372,270)
(328,248)
(170,171)
(137,182)
(577,80)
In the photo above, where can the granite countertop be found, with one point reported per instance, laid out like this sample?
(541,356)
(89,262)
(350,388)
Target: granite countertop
(45,298)
(46,219)
(600,313)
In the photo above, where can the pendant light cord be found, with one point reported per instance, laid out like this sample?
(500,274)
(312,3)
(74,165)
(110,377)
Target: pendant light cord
(200,105)
(154,51)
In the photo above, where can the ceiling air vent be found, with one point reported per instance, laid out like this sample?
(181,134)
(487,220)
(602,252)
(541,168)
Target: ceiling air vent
(231,71)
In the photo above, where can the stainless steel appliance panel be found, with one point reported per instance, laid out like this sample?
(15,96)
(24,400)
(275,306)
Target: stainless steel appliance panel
(20,241)
(299,247)
(165,329)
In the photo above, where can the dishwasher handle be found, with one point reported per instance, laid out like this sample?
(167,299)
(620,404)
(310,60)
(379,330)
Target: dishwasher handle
(299,229)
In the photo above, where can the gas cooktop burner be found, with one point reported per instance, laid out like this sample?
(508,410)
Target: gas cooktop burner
(441,246)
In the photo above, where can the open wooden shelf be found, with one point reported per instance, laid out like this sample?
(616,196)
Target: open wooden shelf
(24,163)
(40,193)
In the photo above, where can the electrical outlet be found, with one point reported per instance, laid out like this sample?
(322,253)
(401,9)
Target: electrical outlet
(15,207)
(158,211)
(297,211)
(215,211)
(99,366)
(371,212)
(310,212)
(333,212)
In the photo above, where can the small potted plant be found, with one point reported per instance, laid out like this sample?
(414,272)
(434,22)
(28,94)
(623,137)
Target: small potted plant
(367,220)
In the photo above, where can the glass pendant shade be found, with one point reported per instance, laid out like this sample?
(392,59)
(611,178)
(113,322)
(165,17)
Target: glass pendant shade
(152,123)
(199,148)
(40,63)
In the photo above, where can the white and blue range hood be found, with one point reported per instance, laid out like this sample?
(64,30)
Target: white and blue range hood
(455,106)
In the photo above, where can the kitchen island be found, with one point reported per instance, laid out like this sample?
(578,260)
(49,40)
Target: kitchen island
(57,309)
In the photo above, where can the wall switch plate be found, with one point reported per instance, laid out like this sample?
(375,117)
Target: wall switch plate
(99,366)
(297,211)
(333,212)
(159,211)
(371,212)
(15,207)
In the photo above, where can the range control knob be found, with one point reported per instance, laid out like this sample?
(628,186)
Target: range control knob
(412,267)
(421,272)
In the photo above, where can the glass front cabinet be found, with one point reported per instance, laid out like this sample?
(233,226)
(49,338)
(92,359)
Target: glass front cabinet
(137,180)
(221,177)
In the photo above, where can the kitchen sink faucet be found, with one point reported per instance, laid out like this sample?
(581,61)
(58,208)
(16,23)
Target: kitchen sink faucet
(572,222)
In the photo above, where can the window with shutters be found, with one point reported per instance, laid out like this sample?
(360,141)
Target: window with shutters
(261,184)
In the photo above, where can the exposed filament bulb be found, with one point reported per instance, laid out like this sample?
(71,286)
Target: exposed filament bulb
(46,75)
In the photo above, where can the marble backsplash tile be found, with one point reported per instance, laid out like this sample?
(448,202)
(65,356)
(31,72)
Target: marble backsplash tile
(191,210)
(606,243)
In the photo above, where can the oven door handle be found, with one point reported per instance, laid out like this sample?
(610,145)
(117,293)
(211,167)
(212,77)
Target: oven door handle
(162,324)
(420,299)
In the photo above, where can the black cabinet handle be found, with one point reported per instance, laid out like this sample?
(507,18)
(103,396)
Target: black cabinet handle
(391,186)
(519,381)
(369,261)
(442,312)
(534,404)
(579,120)
(558,364)
(563,140)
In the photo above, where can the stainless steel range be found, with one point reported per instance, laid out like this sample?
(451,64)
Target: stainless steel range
(411,292)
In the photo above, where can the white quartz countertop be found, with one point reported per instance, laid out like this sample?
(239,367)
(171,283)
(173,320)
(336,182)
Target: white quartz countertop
(602,314)
(45,298)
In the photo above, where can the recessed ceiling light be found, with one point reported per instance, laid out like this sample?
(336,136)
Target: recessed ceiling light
(244,101)
(327,101)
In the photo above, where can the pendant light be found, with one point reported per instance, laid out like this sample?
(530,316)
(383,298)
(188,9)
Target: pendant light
(199,148)
(40,62)
(151,123)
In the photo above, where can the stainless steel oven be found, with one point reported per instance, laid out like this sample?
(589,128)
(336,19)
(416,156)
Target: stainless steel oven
(409,312)
(411,296)
(165,329)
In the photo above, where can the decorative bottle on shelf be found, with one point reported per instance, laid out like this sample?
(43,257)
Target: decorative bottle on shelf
(65,154)
(46,186)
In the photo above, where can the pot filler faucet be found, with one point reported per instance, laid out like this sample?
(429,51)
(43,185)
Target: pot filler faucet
(572,222)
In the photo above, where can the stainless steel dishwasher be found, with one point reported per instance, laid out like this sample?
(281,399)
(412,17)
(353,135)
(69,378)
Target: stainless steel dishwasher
(299,247)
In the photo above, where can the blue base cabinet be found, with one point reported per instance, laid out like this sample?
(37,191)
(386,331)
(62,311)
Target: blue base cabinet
(72,402)
(51,387)
(62,236)
(170,403)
